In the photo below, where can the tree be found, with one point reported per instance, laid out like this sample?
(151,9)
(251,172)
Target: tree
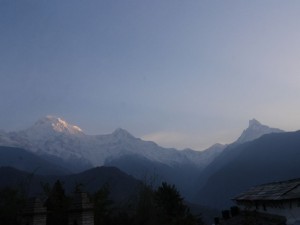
(171,208)
(12,202)
(146,208)
(169,200)
(57,205)
(102,206)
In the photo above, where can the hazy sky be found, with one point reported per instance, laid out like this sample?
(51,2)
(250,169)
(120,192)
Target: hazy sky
(182,73)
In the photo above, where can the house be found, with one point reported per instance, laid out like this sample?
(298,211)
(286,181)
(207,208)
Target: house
(81,212)
(235,216)
(277,198)
(34,212)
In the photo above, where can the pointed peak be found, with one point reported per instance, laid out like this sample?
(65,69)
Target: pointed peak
(254,122)
(256,125)
(56,124)
(50,119)
(256,130)
(121,133)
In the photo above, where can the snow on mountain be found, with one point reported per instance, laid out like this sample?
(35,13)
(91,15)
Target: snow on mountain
(49,135)
(5,140)
(121,142)
(122,134)
(55,137)
(255,130)
(206,156)
(51,125)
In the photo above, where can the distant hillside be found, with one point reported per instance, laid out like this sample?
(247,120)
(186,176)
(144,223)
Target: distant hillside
(151,172)
(122,187)
(270,158)
(27,161)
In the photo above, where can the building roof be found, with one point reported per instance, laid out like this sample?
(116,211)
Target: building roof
(283,190)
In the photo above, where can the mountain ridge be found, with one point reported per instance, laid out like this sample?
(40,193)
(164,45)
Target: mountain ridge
(53,124)
(56,138)
(52,136)
(255,130)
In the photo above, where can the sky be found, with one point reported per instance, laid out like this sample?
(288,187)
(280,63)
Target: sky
(185,74)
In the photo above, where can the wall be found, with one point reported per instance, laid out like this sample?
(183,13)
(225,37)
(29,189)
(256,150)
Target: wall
(289,209)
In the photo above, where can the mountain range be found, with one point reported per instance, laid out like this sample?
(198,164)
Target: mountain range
(53,146)
(55,138)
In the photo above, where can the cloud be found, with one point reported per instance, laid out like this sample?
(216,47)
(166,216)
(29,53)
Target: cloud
(179,140)
(168,139)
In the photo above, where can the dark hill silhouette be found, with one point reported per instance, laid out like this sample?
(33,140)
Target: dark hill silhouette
(183,175)
(122,187)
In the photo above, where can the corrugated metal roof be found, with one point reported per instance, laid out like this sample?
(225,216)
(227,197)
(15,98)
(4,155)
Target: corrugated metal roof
(272,191)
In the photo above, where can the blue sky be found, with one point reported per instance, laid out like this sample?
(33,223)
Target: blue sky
(181,73)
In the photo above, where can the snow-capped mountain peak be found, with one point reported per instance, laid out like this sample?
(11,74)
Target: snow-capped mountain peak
(254,123)
(51,125)
(54,137)
(121,134)
(256,130)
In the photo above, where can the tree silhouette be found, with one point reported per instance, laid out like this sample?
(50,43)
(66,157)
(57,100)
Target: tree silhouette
(169,201)
(57,205)
(102,206)
(146,208)
(171,208)
(12,202)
